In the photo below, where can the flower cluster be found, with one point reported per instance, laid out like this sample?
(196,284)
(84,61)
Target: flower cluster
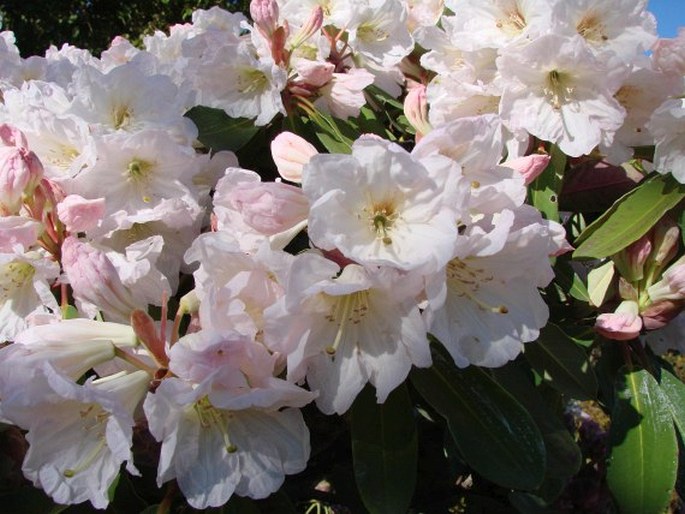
(108,204)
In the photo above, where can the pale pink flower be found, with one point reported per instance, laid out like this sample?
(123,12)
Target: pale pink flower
(669,54)
(79,214)
(290,152)
(18,231)
(343,96)
(416,110)
(343,328)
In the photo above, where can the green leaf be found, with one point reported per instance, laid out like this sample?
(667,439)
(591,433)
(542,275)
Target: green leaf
(561,363)
(544,190)
(563,454)
(599,282)
(644,453)
(335,134)
(218,131)
(384,450)
(495,434)
(674,393)
(630,217)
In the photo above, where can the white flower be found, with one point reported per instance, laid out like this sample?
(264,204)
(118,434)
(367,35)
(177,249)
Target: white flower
(342,329)
(555,89)
(25,280)
(489,304)
(80,435)
(668,126)
(380,206)
(223,425)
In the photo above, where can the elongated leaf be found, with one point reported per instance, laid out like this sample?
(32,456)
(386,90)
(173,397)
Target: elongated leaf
(556,358)
(599,282)
(384,450)
(630,217)
(544,190)
(494,433)
(563,454)
(644,452)
(218,131)
(674,392)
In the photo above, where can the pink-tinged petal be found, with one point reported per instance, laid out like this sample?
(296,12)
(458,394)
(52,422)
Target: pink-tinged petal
(290,153)
(79,214)
(530,166)
(623,325)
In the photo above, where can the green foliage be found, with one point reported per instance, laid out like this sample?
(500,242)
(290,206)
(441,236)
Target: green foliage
(644,451)
(92,24)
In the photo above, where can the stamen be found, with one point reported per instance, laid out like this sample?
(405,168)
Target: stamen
(85,463)
(210,417)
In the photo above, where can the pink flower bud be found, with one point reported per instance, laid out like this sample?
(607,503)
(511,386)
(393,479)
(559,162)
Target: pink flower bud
(529,167)
(79,214)
(659,314)
(94,279)
(20,170)
(631,260)
(269,207)
(416,110)
(264,13)
(665,242)
(310,27)
(622,325)
(290,153)
(672,284)
(315,73)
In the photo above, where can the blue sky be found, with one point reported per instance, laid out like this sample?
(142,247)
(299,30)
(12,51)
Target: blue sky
(670,14)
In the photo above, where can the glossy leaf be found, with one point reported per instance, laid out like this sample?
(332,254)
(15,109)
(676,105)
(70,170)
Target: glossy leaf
(630,217)
(599,282)
(560,362)
(218,131)
(494,433)
(674,392)
(563,454)
(644,453)
(384,450)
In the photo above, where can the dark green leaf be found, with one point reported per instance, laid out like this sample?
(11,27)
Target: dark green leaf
(544,190)
(563,455)
(560,362)
(384,450)
(630,217)
(674,393)
(644,454)
(218,131)
(336,135)
(494,433)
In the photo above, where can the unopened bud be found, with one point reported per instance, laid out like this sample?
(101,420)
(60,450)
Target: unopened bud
(529,167)
(20,170)
(416,110)
(672,284)
(290,153)
(631,260)
(264,14)
(622,325)
(310,27)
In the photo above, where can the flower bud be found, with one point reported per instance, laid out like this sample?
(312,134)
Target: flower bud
(665,244)
(631,260)
(95,280)
(530,166)
(269,207)
(20,170)
(310,27)
(622,325)
(672,284)
(416,110)
(290,153)
(264,13)
(661,313)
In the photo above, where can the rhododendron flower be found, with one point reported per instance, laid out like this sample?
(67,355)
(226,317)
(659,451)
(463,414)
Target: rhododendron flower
(381,206)
(80,435)
(342,329)
(669,134)
(79,214)
(555,89)
(222,424)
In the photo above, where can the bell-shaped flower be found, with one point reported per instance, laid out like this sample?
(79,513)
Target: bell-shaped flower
(342,329)
(382,206)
